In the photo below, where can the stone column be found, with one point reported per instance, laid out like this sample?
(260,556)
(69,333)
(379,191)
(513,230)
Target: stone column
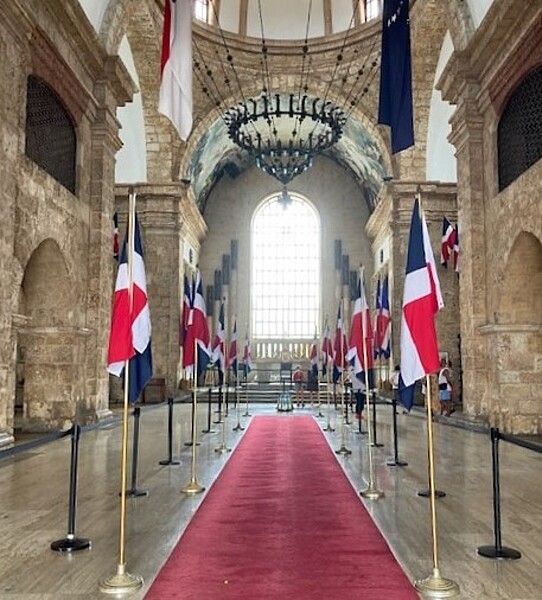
(467,137)
(113,90)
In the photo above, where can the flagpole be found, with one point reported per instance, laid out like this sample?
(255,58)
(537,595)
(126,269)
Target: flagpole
(194,487)
(371,492)
(238,426)
(223,448)
(328,427)
(247,339)
(343,449)
(123,582)
(434,585)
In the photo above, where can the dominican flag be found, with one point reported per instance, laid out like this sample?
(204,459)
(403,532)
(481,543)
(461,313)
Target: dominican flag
(339,347)
(327,349)
(447,242)
(200,327)
(188,301)
(116,246)
(383,323)
(314,355)
(217,357)
(247,357)
(395,99)
(176,66)
(422,299)
(378,309)
(360,346)
(456,252)
(232,356)
(130,335)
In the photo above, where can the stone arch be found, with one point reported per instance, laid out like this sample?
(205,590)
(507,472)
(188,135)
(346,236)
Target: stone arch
(49,348)
(515,341)
(521,297)
(461,24)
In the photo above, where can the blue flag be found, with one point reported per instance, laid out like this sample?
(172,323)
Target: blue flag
(140,366)
(395,103)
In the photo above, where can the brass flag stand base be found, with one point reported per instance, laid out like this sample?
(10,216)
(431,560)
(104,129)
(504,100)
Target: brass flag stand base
(371,493)
(436,586)
(193,488)
(121,583)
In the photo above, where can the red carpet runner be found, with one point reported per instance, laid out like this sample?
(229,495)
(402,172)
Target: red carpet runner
(282,522)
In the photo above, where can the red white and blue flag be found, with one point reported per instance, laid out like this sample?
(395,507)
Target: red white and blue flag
(130,334)
(188,294)
(327,349)
(176,66)
(314,354)
(383,322)
(201,327)
(339,347)
(116,241)
(378,309)
(422,299)
(456,251)
(218,356)
(247,357)
(197,332)
(360,346)
(232,355)
(447,241)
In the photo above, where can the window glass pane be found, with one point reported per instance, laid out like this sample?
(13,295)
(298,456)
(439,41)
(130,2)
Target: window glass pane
(285,270)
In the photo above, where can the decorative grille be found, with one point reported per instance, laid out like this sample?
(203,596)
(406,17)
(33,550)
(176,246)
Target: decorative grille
(520,130)
(50,135)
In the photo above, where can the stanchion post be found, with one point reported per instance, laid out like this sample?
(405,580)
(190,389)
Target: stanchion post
(209,410)
(374,442)
(497,551)
(169,460)
(72,543)
(133,492)
(395,462)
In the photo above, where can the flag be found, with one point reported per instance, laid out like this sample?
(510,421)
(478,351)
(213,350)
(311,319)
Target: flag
(116,246)
(447,241)
(327,349)
(384,320)
(232,355)
(395,100)
(176,66)
(247,357)
(378,310)
(456,251)
(185,309)
(422,299)
(314,354)
(217,356)
(130,335)
(199,326)
(360,345)
(339,347)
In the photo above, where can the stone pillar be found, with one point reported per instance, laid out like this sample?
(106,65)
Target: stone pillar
(467,137)
(113,90)
(157,209)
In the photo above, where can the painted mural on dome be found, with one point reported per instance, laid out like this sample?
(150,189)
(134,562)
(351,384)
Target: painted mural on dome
(216,154)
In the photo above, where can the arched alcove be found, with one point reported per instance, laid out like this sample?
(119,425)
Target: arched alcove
(521,298)
(50,350)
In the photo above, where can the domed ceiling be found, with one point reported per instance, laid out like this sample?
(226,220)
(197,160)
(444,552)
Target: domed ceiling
(326,25)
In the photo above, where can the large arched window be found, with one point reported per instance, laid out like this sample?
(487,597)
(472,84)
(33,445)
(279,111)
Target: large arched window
(285,270)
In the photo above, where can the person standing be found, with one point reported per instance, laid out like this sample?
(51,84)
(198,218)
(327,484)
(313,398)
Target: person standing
(358,389)
(299,380)
(445,389)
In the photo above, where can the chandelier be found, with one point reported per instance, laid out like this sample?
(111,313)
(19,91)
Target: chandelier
(284,132)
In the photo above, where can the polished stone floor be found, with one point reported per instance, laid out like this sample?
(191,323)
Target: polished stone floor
(34,501)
